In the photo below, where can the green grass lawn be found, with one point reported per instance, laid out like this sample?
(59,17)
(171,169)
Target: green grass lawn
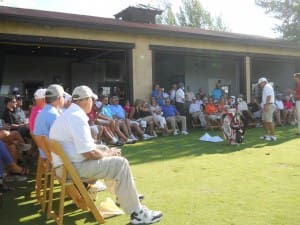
(197,183)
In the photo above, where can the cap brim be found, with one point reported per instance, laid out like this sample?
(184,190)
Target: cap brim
(94,96)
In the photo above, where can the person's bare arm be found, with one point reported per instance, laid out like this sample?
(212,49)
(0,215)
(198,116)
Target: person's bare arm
(99,154)
(94,154)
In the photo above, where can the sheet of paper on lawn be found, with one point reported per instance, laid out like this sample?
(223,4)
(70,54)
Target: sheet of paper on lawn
(207,137)
(108,208)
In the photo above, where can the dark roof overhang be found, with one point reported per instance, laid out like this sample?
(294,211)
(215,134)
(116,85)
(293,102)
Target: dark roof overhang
(90,22)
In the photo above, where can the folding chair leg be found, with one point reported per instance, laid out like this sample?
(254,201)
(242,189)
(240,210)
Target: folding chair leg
(38,179)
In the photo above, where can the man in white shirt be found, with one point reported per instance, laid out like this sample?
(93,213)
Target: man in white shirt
(268,108)
(180,99)
(72,130)
(196,111)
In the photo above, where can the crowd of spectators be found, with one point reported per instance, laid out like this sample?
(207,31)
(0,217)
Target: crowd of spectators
(112,123)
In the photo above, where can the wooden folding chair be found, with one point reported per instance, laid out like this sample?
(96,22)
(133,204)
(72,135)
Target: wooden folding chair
(45,180)
(71,179)
(43,172)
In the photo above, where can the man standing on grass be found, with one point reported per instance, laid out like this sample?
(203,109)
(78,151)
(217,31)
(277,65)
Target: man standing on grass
(296,92)
(268,109)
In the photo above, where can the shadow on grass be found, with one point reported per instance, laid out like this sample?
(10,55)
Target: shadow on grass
(21,207)
(167,148)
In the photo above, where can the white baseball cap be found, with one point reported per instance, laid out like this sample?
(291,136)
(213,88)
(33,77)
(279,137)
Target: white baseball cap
(40,93)
(262,79)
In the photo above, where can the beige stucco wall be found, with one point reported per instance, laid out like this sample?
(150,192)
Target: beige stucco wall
(142,57)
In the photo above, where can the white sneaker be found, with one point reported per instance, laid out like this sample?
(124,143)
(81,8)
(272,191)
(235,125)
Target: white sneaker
(272,138)
(133,137)
(175,133)
(147,137)
(99,185)
(268,138)
(184,132)
(130,141)
(264,137)
(145,216)
(114,140)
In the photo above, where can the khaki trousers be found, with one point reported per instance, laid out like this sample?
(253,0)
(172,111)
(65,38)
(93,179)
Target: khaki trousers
(118,177)
(177,119)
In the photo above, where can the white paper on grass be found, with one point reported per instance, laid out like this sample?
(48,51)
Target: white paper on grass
(207,137)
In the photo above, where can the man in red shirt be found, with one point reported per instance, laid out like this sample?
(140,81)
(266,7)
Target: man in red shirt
(297,98)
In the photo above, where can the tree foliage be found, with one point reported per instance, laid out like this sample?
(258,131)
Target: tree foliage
(191,14)
(286,11)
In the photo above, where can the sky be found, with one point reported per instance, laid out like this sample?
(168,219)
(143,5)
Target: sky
(240,16)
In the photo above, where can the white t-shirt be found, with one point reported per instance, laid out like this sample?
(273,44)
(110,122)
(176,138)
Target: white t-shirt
(242,106)
(194,107)
(279,104)
(268,91)
(72,130)
(180,97)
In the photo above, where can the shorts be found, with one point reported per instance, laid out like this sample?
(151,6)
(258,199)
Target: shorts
(268,115)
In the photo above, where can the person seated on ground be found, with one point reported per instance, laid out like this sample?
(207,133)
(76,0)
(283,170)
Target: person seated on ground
(174,118)
(99,131)
(91,162)
(127,107)
(211,113)
(243,108)
(255,108)
(118,114)
(39,103)
(289,110)
(279,107)
(158,116)
(135,126)
(157,93)
(14,143)
(7,161)
(12,118)
(195,111)
(143,116)
(105,117)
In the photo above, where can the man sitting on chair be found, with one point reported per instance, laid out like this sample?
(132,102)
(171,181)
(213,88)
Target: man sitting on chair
(173,117)
(196,111)
(72,130)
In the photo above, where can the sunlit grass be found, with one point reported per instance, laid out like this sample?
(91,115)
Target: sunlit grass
(199,183)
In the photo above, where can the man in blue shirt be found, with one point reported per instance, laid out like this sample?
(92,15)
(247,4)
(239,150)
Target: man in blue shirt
(118,114)
(173,117)
(217,91)
(157,93)
(54,101)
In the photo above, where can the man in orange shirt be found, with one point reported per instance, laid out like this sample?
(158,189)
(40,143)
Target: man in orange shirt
(211,110)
